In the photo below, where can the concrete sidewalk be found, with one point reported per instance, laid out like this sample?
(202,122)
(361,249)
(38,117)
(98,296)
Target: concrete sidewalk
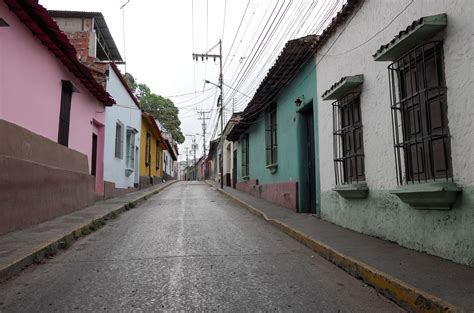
(416,281)
(21,248)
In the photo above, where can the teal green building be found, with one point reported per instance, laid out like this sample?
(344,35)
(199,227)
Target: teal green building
(277,137)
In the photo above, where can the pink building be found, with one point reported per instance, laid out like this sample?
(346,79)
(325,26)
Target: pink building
(48,100)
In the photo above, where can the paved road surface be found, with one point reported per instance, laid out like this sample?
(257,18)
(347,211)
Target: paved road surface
(188,248)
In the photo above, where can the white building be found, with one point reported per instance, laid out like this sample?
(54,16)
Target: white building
(395,119)
(229,148)
(170,155)
(122,137)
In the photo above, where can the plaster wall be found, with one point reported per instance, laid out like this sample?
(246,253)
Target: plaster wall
(291,148)
(349,51)
(126,112)
(151,170)
(168,163)
(30,92)
(39,179)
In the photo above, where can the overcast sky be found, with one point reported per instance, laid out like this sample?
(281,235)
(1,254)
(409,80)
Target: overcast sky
(160,39)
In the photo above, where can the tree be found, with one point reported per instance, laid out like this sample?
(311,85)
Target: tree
(163,109)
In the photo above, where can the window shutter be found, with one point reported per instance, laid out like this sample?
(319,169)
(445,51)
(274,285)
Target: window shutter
(65,113)
(117,140)
(147,149)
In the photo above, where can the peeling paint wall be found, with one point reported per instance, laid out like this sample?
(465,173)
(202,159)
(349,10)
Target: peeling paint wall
(448,234)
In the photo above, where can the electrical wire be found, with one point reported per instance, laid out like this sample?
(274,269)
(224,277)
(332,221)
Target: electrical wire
(187,94)
(223,23)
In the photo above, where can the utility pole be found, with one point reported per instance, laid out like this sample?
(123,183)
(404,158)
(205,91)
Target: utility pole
(187,163)
(206,55)
(194,150)
(123,28)
(204,125)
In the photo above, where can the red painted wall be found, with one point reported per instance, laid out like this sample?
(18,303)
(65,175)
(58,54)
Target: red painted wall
(283,194)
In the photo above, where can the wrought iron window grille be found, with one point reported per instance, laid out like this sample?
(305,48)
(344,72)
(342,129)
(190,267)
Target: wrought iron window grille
(271,145)
(119,140)
(419,116)
(348,147)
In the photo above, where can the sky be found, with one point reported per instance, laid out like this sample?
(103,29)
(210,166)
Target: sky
(157,39)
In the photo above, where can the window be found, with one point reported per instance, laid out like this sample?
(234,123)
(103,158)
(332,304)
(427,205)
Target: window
(347,140)
(158,155)
(119,140)
(419,115)
(245,155)
(148,149)
(271,136)
(130,155)
(65,113)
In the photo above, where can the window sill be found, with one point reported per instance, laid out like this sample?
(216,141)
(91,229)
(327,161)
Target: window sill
(245,177)
(436,196)
(272,168)
(128,171)
(352,191)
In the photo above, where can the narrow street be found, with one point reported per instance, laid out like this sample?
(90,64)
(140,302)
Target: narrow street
(188,248)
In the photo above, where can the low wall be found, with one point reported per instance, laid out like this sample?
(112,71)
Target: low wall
(26,145)
(110,191)
(445,233)
(283,194)
(147,181)
(31,193)
(39,179)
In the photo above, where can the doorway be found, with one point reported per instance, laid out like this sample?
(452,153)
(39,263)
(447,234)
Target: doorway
(234,170)
(94,155)
(310,154)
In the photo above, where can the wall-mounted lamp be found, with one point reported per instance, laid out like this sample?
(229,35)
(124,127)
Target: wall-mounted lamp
(299,101)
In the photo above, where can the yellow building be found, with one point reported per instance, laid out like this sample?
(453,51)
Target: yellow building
(151,151)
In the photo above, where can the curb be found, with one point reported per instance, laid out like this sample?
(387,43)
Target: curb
(402,293)
(64,241)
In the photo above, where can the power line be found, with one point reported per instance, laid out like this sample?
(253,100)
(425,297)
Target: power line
(223,23)
(187,94)
(238,28)
(374,35)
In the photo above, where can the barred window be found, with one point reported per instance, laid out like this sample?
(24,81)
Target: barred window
(419,115)
(347,140)
(148,149)
(130,146)
(245,155)
(271,135)
(119,140)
